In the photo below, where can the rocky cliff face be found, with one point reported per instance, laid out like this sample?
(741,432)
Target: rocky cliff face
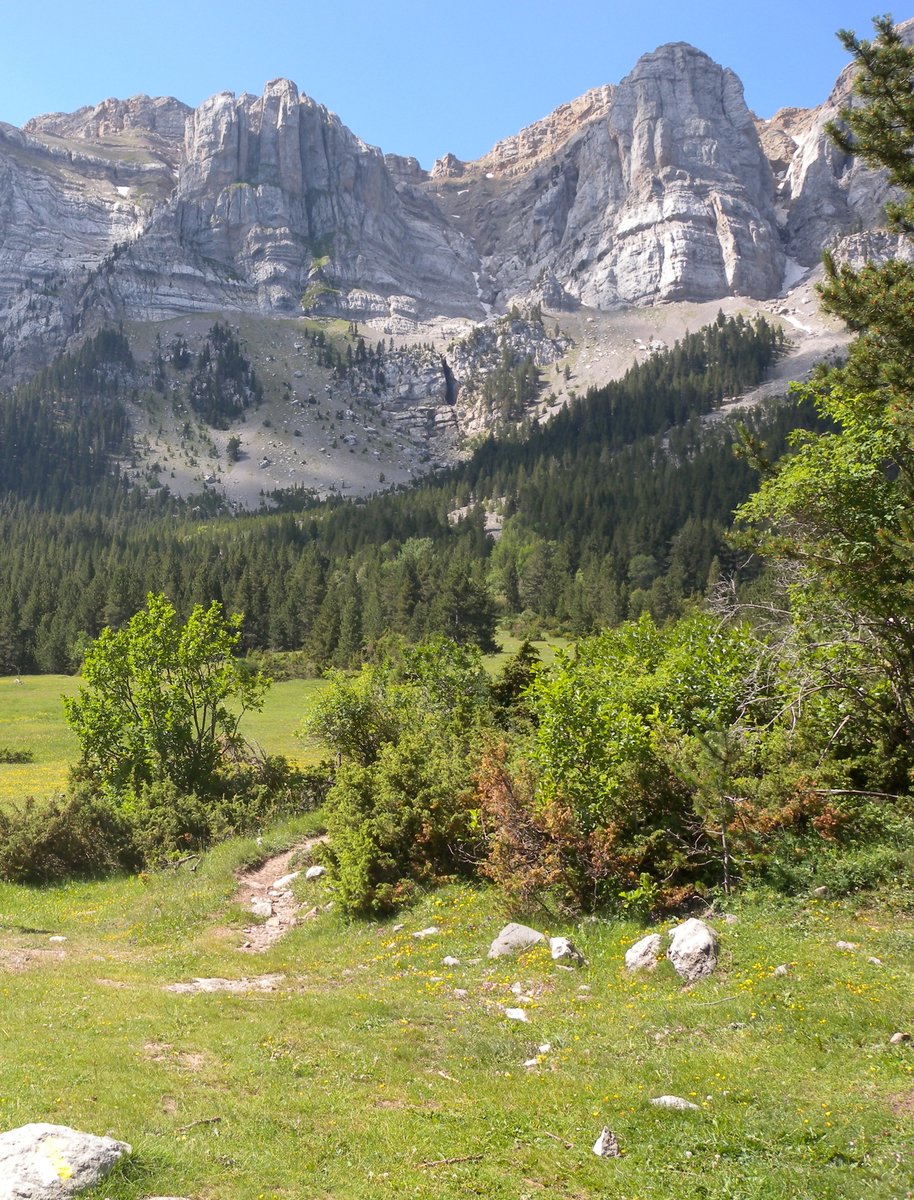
(663,187)
(653,190)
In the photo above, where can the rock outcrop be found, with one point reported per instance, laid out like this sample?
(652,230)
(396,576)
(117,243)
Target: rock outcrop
(661,187)
(656,189)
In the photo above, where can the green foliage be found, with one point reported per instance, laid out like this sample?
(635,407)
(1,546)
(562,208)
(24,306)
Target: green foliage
(407,730)
(78,834)
(838,509)
(162,700)
(9,755)
(880,129)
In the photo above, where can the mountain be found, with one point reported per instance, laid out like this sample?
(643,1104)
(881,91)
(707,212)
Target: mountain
(662,187)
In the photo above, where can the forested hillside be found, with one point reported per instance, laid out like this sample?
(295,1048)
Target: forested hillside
(617,505)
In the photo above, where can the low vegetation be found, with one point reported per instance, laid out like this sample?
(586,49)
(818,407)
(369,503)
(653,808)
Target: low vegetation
(365,1071)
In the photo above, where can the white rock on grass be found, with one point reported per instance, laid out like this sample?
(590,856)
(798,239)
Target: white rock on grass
(513,939)
(899,1039)
(51,1162)
(515,1014)
(450,961)
(781,969)
(846,946)
(693,950)
(315,872)
(676,1103)
(563,950)
(285,880)
(425,933)
(643,955)
(607,1144)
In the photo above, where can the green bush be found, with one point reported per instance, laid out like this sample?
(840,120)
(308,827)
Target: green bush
(399,824)
(78,834)
(8,755)
(408,731)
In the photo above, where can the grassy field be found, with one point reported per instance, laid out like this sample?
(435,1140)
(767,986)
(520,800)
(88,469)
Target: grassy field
(373,1070)
(32,718)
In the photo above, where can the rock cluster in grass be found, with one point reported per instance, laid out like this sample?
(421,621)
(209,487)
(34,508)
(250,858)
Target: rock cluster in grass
(692,951)
(52,1162)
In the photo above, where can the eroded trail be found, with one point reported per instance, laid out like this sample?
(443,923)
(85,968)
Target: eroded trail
(266,891)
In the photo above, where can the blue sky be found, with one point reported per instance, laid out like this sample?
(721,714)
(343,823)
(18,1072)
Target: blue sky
(419,77)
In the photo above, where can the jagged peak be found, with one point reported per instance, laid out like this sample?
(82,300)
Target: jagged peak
(533,143)
(163,116)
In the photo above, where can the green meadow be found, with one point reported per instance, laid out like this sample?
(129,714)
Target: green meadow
(32,718)
(372,1069)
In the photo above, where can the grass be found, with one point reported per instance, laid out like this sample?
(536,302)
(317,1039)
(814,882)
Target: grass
(276,726)
(508,644)
(367,1065)
(32,718)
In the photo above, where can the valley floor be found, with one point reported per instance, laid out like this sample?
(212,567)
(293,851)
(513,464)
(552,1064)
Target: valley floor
(358,1064)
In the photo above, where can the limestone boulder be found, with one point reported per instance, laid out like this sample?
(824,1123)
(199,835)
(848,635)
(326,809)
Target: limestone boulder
(514,939)
(643,955)
(693,950)
(52,1162)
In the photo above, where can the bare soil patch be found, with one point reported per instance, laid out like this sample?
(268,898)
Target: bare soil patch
(18,960)
(267,890)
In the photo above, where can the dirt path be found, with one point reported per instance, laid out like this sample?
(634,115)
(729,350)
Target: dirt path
(267,892)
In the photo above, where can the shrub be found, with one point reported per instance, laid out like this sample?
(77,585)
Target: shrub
(8,755)
(400,823)
(77,834)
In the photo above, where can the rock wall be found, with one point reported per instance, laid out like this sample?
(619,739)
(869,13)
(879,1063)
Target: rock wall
(662,187)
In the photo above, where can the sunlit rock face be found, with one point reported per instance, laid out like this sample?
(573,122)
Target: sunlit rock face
(662,187)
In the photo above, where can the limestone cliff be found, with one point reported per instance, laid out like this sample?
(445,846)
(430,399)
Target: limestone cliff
(656,189)
(661,187)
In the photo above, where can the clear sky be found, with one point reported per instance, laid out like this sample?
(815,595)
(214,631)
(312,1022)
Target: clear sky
(420,77)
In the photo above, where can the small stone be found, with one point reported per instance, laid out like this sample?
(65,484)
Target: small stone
(429,932)
(461,993)
(781,969)
(731,919)
(284,882)
(607,1144)
(531,1062)
(544,1048)
(261,908)
(876,962)
(513,939)
(315,872)
(820,892)
(397,928)
(676,1103)
(450,961)
(898,1039)
(643,955)
(846,946)
(565,951)
(57,940)
(515,1014)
